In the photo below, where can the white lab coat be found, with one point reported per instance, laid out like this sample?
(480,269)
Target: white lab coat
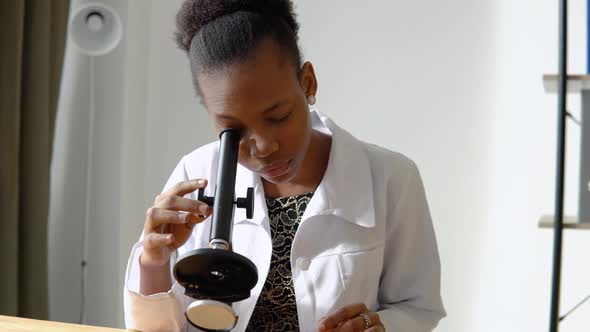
(365,236)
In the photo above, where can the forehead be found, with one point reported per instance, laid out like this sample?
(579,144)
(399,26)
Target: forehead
(265,77)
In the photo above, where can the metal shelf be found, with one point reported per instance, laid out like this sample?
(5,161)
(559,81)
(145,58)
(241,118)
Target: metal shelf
(575,82)
(569,222)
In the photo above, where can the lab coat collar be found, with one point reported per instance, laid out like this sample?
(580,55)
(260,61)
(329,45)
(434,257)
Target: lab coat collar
(345,191)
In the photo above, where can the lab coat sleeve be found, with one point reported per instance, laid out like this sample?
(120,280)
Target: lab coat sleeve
(409,292)
(156,312)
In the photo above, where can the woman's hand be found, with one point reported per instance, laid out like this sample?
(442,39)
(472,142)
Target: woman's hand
(351,318)
(169,223)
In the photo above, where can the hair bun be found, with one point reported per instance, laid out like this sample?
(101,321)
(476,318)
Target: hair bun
(195,14)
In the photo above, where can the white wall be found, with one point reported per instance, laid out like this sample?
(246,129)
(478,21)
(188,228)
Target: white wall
(515,258)
(455,85)
(163,118)
(417,76)
(85,200)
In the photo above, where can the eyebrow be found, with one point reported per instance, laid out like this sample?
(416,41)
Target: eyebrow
(267,110)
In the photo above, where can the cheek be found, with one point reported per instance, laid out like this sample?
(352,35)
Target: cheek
(292,140)
(296,136)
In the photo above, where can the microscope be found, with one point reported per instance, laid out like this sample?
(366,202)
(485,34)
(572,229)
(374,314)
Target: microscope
(216,276)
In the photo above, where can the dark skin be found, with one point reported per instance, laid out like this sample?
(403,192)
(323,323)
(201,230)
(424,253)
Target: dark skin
(265,97)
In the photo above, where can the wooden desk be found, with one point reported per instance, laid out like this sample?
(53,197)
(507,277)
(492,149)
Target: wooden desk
(17,324)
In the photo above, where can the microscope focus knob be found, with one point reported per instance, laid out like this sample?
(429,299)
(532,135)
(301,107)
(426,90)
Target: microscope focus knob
(247,203)
(205,199)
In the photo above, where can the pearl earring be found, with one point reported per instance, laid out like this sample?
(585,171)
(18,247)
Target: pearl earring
(311,99)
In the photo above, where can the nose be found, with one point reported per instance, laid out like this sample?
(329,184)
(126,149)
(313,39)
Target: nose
(262,146)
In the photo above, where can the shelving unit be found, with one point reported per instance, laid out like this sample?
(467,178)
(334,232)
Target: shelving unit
(579,84)
(576,84)
(569,222)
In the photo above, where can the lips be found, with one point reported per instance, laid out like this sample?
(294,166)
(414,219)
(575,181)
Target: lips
(276,169)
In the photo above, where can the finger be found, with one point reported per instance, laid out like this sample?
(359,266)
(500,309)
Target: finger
(157,217)
(195,219)
(358,323)
(354,324)
(178,203)
(376,329)
(186,187)
(375,319)
(341,315)
(155,240)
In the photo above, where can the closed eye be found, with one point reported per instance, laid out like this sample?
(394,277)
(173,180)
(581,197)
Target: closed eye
(281,119)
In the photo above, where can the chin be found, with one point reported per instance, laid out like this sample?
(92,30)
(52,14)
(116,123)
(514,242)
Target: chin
(285,178)
(282,179)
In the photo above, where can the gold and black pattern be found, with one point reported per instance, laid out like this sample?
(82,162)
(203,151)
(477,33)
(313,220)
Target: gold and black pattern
(276,309)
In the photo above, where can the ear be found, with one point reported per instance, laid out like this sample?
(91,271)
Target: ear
(307,79)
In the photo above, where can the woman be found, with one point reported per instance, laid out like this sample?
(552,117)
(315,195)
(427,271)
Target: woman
(341,235)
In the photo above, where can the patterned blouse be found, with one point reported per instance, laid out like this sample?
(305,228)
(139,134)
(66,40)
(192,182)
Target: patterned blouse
(276,309)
